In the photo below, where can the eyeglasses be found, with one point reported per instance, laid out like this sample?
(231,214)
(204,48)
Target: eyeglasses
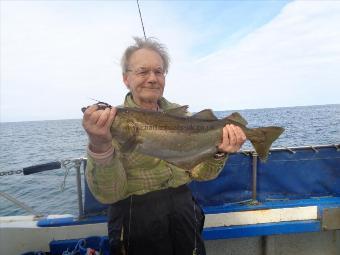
(145,72)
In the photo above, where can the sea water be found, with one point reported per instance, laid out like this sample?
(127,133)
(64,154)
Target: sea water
(36,142)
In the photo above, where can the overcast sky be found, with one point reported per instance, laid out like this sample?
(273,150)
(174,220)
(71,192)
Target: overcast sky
(225,55)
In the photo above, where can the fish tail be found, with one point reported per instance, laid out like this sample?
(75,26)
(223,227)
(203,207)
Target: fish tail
(262,139)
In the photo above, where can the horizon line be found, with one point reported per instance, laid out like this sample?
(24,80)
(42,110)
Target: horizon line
(245,109)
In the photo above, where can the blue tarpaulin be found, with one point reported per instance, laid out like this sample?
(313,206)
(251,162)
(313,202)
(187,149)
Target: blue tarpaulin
(292,174)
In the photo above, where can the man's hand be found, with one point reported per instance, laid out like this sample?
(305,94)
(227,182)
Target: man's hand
(232,140)
(97,125)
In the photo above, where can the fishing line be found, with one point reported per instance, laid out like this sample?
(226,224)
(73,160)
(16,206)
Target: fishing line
(140,15)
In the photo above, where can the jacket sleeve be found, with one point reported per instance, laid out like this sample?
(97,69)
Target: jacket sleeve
(208,169)
(106,177)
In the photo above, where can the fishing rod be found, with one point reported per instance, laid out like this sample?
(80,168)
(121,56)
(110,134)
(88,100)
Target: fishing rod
(140,15)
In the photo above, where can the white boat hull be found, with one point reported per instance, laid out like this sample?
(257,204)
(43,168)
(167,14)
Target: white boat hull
(20,234)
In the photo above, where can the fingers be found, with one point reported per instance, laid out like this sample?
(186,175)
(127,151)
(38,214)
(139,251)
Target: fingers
(88,112)
(232,139)
(99,117)
(97,123)
(225,138)
(239,135)
(103,117)
(106,118)
(232,135)
(113,112)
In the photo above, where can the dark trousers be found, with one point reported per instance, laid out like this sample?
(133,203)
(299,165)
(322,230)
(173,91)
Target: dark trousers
(167,222)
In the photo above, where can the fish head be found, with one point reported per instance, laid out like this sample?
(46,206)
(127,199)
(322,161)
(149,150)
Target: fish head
(123,126)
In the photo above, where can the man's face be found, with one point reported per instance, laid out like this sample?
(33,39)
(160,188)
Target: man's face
(145,76)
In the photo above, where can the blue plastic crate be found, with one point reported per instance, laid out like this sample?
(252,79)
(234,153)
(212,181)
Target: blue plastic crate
(98,243)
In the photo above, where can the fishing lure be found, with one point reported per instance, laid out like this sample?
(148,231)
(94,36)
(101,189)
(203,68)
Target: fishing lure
(101,105)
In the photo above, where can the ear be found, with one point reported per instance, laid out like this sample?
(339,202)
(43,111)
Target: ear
(126,80)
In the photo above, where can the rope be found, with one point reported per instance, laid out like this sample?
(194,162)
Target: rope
(76,250)
(130,217)
(68,164)
(140,15)
(194,252)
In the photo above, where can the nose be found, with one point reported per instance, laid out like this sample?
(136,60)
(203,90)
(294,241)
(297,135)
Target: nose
(152,76)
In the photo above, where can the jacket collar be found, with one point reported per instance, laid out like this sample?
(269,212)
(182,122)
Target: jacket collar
(162,103)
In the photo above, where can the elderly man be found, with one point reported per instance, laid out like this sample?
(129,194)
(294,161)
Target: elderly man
(151,208)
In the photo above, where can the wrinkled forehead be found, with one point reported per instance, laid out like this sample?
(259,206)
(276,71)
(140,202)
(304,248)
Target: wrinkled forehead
(145,58)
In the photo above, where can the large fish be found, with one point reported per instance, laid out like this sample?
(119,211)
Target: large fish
(184,141)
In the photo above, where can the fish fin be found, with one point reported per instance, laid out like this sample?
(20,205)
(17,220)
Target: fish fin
(178,111)
(130,144)
(206,114)
(263,138)
(235,116)
(189,163)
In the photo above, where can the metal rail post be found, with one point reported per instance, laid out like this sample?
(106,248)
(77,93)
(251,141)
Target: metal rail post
(254,188)
(80,194)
